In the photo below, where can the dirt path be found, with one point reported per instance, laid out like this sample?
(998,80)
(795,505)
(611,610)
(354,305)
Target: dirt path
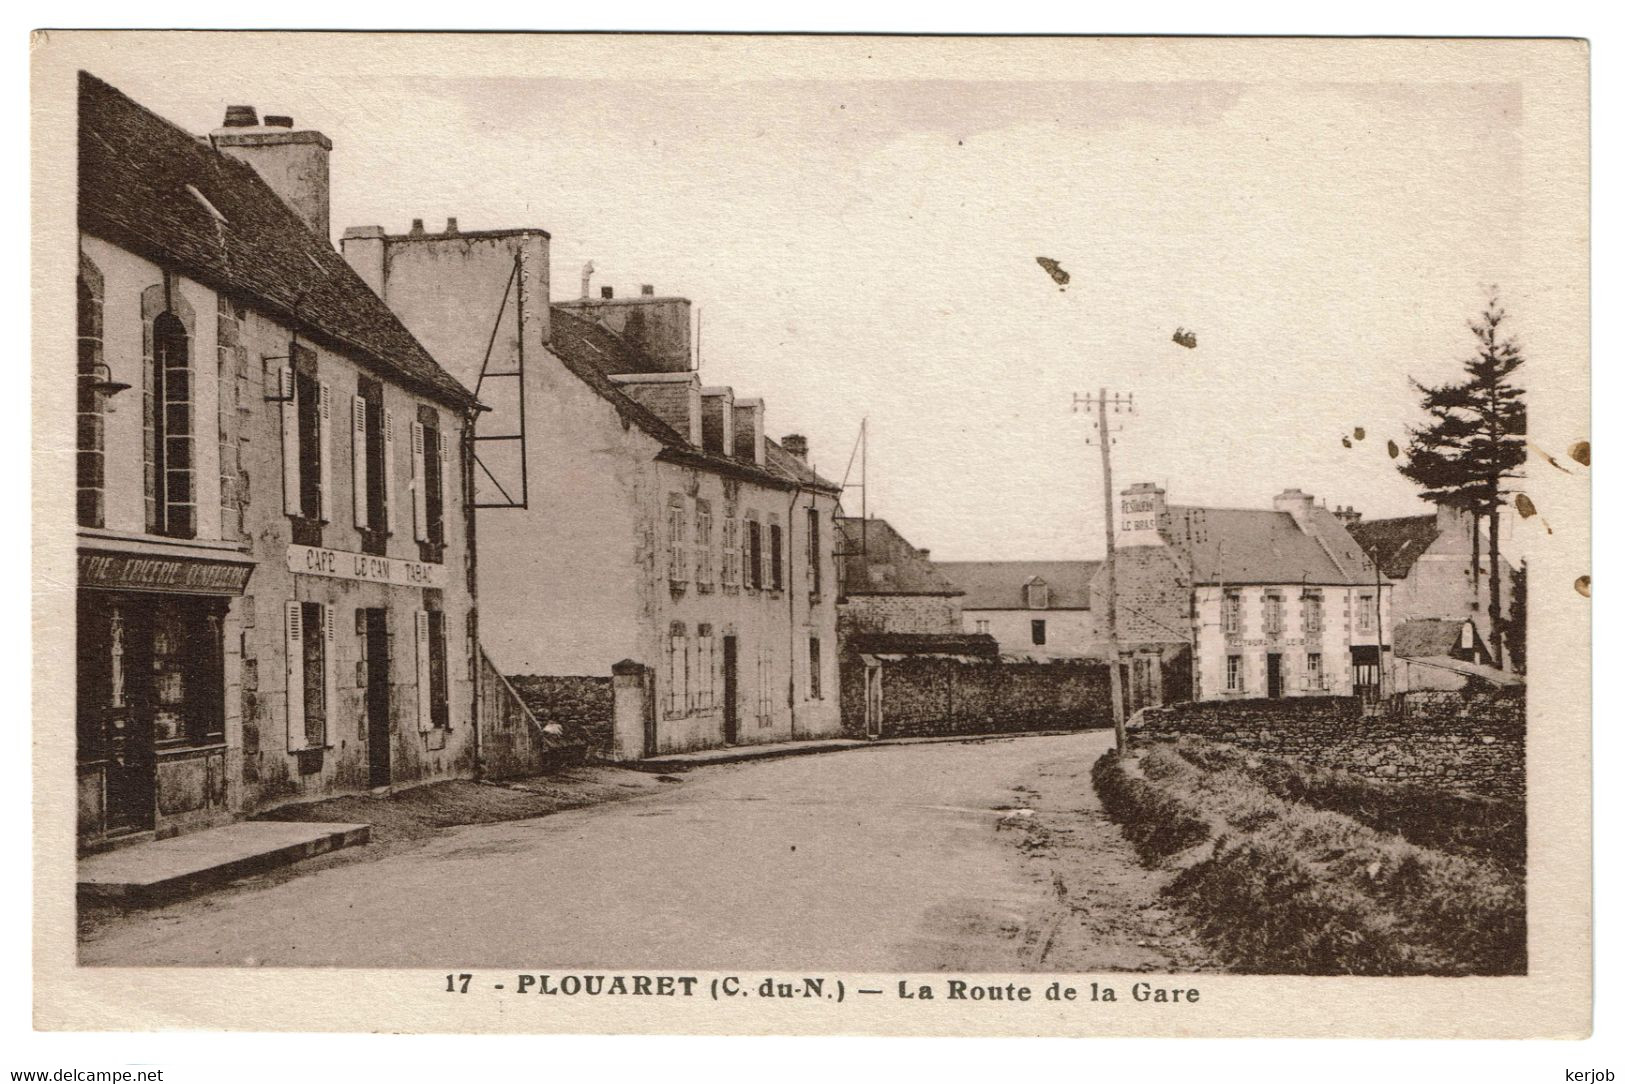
(1106,910)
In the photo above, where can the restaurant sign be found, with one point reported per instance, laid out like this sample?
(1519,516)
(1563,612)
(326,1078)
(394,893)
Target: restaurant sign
(172,575)
(346,565)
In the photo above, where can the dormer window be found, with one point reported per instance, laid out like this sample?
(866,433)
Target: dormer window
(1037,595)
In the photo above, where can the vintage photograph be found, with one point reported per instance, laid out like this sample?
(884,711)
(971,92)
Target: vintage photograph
(820,512)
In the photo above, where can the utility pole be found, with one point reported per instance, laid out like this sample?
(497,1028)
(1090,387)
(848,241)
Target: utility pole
(1099,406)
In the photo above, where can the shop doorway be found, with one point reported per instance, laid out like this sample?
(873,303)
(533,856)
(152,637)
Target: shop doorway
(1274,674)
(380,728)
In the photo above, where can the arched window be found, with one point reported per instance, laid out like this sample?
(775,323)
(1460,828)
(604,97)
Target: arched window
(91,440)
(172,505)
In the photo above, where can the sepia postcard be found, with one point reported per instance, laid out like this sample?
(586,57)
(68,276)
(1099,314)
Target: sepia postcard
(811,535)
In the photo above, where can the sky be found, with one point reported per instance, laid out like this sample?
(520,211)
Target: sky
(865,247)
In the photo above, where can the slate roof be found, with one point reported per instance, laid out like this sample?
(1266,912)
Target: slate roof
(880,561)
(1427,636)
(1396,543)
(134,172)
(1247,545)
(592,351)
(1000,585)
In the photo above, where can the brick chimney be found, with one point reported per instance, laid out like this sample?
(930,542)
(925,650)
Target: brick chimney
(1346,515)
(796,445)
(293,161)
(750,442)
(717,419)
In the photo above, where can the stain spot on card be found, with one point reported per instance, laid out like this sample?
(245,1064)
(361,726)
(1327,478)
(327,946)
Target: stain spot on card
(1580,452)
(1583,585)
(1054,271)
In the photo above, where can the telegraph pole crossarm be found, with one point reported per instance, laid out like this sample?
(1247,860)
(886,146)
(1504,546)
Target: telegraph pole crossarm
(1101,406)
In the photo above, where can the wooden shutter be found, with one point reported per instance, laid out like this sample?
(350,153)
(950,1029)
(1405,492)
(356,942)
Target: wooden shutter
(324,452)
(389,471)
(358,457)
(425,683)
(294,640)
(420,509)
(330,673)
(290,442)
(440,482)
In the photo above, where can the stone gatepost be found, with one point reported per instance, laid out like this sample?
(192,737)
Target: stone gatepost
(633,735)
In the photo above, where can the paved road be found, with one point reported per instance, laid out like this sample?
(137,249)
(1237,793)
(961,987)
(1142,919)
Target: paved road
(895,858)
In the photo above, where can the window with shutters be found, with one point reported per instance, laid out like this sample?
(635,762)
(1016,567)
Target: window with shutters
(677,670)
(676,539)
(753,554)
(1040,633)
(1313,614)
(429,456)
(703,575)
(815,668)
(730,553)
(815,557)
(312,674)
(776,555)
(704,679)
(372,464)
(439,686)
(307,431)
(764,686)
(432,671)
(1272,614)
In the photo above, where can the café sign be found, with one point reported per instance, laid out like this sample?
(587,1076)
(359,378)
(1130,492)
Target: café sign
(345,565)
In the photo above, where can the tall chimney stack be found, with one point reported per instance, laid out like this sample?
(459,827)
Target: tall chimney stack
(796,445)
(293,161)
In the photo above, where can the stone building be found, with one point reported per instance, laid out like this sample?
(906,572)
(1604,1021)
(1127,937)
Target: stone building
(631,518)
(275,584)
(887,585)
(1428,560)
(1036,610)
(1281,602)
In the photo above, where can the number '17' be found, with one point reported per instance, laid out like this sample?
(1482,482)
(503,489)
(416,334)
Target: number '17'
(458,984)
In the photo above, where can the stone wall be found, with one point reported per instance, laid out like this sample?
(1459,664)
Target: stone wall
(1451,740)
(935,695)
(583,707)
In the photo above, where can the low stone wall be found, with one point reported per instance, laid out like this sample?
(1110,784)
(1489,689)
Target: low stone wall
(931,695)
(583,707)
(1449,740)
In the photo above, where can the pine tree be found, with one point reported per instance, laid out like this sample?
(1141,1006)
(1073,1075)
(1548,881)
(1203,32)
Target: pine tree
(1473,443)
(1518,619)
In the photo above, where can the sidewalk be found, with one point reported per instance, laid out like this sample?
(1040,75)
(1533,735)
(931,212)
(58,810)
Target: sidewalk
(159,870)
(732,753)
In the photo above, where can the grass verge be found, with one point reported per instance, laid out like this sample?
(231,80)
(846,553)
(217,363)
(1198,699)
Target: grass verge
(1281,886)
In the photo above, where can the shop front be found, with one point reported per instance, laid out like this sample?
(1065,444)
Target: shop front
(152,736)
